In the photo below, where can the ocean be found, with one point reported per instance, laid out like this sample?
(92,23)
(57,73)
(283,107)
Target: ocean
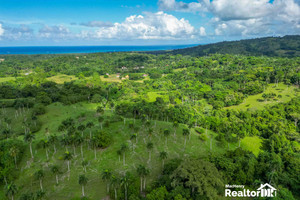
(84,49)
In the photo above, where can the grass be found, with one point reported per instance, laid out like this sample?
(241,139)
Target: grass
(60,79)
(5,79)
(151,96)
(251,102)
(107,158)
(252,144)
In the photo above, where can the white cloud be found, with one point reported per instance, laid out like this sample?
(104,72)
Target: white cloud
(1,30)
(168,5)
(54,31)
(149,26)
(96,24)
(202,31)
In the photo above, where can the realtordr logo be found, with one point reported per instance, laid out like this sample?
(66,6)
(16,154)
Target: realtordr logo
(265,190)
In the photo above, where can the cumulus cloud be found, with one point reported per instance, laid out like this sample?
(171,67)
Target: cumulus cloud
(149,26)
(244,17)
(169,5)
(54,31)
(96,24)
(1,30)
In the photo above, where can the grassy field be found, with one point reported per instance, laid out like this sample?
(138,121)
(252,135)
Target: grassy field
(5,79)
(287,92)
(68,186)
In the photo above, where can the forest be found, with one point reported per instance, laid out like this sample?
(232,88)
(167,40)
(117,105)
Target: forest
(133,126)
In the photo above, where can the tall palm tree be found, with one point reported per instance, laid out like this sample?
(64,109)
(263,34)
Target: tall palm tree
(14,151)
(149,147)
(65,141)
(106,176)
(100,120)
(55,171)
(29,137)
(79,141)
(119,152)
(39,175)
(84,163)
(175,126)
(45,144)
(94,143)
(185,133)
(142,172)
(81,128)
(53,140)
(133,137)
(124,148)
(125,180)
(115,182)
(82,181)
(11,190)
(90,125)
(163,155)
(68,156)
(166,134)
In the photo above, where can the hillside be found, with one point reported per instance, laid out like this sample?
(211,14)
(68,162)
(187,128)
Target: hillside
(287,46)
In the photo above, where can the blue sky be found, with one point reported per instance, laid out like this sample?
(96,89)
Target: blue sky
(148,22)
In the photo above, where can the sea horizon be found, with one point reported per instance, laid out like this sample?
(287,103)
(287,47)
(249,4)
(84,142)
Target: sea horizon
(31,50)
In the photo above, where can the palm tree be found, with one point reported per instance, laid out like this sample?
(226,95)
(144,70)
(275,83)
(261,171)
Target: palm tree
(133,137)
(81,128)
(114,181)
(14,151)
(29,137)
(94,143)
(84,163)
(124,148)
(11,190)
(175,126)
(55,171)
(39,175)
(68,156)
(45,145)
(119,152)
(65,141)
(82,181)
(185,133)
(106,176)
(150,131)
(166,134)
(149,147)
(163,155)
(90,125)
(125,180)
(142,172)
(53,140)
(100,120)
(79,141)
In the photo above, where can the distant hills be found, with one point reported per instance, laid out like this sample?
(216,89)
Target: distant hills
(287,46)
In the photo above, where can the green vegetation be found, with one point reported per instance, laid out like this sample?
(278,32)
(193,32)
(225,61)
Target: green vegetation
(139,126)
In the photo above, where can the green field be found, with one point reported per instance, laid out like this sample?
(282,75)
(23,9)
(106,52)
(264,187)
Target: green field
(252,144)
(287,93)
(106,158)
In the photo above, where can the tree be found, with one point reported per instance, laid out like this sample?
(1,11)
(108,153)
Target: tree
(119,152)
(106,176)
(94,144)
(14,151)
(84,163)
(133,137)
(79,141)
(100,120)
(11,190)
(82,181)
(160,193)
(142,172)
(296,117)
(125,180)
(166,134)
(39,175)
(185,133)
(45,145)
(55,171)
(149,147)
(175,126)
(90,125)
(201,177)
(68,156)
(123,149)
(163,155)
(115,182)
(53,140)
(29,137)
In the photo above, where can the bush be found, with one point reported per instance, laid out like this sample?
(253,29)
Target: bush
(38,109)
(105,76)
(96,98)
(203,137)
(199,130)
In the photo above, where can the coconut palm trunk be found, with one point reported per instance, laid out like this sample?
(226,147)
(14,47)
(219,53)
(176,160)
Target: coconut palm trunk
(82,189)
(30,146)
